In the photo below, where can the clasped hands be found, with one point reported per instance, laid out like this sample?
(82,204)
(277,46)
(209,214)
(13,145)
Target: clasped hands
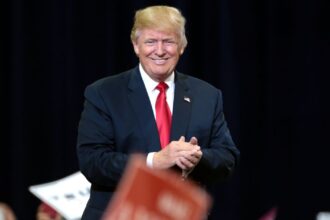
(185,155)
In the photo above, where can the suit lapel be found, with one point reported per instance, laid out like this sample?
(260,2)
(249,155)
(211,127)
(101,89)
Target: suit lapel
(141,106)
(181,107)
(140,103)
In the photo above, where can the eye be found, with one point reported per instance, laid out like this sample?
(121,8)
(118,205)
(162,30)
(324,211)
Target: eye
(150,42)
(169,42)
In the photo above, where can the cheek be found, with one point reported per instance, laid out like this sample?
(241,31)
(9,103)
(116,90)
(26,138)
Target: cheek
(175,55)
(173,52)
(146,51)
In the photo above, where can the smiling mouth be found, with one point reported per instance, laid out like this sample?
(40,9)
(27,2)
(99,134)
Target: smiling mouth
(160,61)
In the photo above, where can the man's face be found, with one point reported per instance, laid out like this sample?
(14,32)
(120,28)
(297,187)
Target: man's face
(158,51)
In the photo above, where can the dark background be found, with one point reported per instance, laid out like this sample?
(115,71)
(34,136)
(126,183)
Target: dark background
(269,57)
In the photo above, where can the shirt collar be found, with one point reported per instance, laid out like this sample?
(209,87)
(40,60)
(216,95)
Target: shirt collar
(151,84)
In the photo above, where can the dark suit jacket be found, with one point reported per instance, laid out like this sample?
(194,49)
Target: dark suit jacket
(117,121)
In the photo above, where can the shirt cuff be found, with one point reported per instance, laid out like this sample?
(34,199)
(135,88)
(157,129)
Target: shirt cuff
(150,158)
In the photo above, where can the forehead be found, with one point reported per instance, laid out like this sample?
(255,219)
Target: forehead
(157,34)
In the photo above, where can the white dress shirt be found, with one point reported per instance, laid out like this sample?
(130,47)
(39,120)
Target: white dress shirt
(150,85)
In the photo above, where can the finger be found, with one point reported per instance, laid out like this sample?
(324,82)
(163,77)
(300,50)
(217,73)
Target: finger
(197,153)
(180,164)
(187,164)
(192,159)
(193,140)
(185,149)
(193,156)
(182,146)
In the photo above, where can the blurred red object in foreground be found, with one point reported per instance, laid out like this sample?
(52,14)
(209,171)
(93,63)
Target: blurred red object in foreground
(45,209)
(144,193)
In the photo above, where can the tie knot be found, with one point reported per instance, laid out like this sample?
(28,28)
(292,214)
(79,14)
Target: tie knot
(162,86)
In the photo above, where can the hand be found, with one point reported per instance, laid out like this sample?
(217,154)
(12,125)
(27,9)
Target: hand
(187,164)
(181,153)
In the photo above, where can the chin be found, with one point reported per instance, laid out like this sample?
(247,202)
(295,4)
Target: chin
(160,76)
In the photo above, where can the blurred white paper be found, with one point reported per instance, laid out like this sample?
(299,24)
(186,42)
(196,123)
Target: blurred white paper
(323,216)
(68,196)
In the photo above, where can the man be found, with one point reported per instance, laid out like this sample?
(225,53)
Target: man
(176,120)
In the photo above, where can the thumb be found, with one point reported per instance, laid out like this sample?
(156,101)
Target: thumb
(182,138)
(193,140)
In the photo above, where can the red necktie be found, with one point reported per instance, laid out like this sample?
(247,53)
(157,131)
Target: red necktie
(163,115)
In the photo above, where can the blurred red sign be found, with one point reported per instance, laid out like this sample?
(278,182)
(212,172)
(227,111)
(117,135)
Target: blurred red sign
(147,194)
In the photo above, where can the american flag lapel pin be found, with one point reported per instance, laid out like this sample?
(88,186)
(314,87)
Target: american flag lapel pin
(187,99)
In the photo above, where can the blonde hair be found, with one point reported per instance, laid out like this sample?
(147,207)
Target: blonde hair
(162,18)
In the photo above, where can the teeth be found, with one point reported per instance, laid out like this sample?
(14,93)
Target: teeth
(160,61)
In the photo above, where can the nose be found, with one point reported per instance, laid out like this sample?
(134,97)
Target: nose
(160,51)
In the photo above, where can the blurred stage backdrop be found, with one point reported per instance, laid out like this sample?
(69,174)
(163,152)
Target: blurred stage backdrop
(270,58)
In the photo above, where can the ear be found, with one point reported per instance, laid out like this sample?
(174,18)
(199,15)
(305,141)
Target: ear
(181,50)
(136,47)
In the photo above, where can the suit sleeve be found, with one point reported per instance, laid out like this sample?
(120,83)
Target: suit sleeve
(220,156)
(97,158)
